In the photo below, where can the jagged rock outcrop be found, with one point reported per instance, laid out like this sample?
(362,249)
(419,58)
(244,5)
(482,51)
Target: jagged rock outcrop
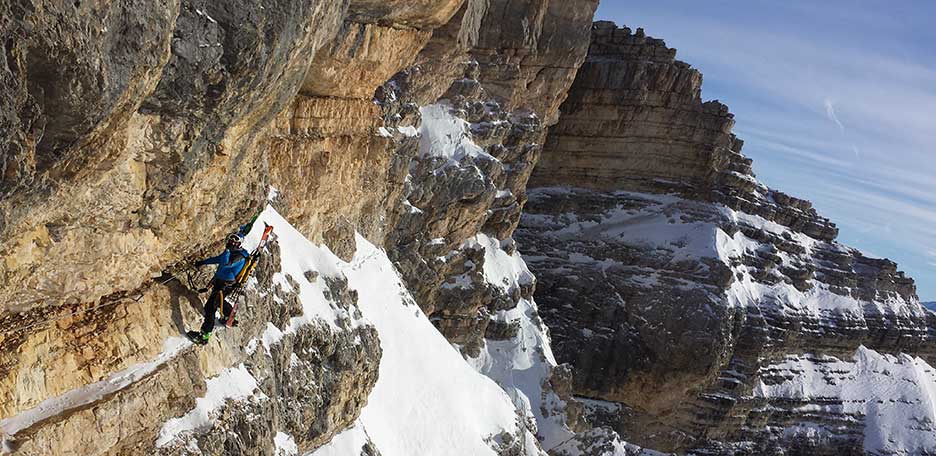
(511,81)
(700,309)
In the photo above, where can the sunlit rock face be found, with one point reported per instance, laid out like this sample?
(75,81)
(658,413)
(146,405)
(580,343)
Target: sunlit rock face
(700,309)
(135,136)
(301,363)
(139,153)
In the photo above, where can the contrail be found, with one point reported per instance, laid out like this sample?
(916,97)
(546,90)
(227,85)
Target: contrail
(830,111)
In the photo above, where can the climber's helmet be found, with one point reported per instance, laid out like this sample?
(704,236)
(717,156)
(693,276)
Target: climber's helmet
(234,241)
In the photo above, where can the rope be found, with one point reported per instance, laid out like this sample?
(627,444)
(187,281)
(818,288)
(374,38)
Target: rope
(116,301)
(89,309)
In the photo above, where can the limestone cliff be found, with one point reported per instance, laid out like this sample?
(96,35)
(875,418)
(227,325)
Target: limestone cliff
(135,135)
(391,144)
(700,309)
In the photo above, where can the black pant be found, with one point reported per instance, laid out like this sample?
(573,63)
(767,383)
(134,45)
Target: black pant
(220,290)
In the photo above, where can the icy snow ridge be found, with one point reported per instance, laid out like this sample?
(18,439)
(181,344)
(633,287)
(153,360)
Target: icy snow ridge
(428,400)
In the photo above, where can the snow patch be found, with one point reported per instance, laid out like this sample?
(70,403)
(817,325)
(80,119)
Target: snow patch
(348,442)
(442,134)
(896,395)
(234,383)
(285,445)
(90,393)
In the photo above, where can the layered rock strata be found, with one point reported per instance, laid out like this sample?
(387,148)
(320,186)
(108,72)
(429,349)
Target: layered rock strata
(336,172)
(700,309)
(156,130)
(635,121)
(136,135)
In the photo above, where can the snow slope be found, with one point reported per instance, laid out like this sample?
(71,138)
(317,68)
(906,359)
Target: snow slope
(521,365)
(428,400)
(895,396)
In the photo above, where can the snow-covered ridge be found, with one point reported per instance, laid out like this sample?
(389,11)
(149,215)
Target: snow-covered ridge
(427,400)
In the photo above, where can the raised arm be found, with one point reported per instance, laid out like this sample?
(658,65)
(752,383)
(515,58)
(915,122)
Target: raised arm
(220,259)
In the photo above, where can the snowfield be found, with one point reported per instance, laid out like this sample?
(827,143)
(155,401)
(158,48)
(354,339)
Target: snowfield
(686,230)
(894,395)
(428,400)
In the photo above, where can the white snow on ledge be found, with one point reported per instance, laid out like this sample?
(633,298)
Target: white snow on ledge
(90,393)
(896,395)
(285,444)
(233,383)
(442,134)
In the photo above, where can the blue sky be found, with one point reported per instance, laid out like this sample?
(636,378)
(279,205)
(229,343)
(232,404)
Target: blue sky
(836,103)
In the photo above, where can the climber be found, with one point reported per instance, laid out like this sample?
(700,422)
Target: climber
(230,263)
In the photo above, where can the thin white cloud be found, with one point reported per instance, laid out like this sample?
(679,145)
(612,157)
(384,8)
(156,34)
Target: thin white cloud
(830,113)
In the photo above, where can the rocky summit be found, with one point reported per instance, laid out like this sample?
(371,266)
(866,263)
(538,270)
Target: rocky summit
(499,228)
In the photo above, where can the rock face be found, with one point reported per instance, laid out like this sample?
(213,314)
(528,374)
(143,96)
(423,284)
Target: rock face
(700,309)
(499,99)
(635,121)
(694,306)
(134,136)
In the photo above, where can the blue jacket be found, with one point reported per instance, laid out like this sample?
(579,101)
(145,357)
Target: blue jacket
(228,270)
